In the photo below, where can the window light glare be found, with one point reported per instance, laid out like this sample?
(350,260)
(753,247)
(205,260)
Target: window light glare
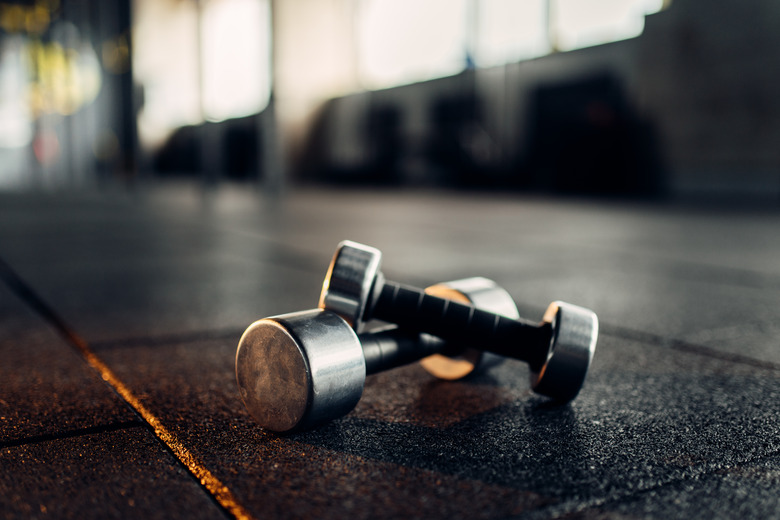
(582,23)
(236,63)
(401,41)
(511,30)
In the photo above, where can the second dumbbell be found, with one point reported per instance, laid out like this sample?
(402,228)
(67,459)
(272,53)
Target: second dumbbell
(558,350)
(301,369)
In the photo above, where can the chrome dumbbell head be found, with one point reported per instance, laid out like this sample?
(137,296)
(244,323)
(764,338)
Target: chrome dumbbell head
(297,370)
(349,282)
(575,330)
(558,350)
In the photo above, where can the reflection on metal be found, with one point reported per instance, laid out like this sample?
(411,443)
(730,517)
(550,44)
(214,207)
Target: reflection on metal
(573,344)
(348,283)
(298,370)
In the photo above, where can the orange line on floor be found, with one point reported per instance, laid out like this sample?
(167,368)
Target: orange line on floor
(219,490)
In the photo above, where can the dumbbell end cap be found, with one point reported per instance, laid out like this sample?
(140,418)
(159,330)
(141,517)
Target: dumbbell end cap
(298,370)
(575,331)
(349,281)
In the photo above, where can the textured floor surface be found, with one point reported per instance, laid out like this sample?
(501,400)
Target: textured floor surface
(120,315)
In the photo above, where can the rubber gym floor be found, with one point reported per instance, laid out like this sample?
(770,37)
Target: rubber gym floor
(120,313)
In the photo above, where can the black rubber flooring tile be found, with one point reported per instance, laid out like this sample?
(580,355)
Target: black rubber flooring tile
(706,276)
(746,490)
(154,267)
(144,285)
(118,474)
(648,417)
(481,226)
(191,387)
(729,318)
(46,388)
(177,296)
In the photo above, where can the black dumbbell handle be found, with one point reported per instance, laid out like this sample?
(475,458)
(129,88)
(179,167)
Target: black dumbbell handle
(461,324)
(394,348)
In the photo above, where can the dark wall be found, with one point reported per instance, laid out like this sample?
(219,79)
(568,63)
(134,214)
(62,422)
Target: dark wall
(224,150)
(560,124)
(688,107)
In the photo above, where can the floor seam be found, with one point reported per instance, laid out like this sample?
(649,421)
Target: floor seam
(685,346)
(168,339)
(79,432)
(563,509)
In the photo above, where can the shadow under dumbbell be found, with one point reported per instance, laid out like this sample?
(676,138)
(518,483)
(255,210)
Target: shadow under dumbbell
(445,403)
(514,444)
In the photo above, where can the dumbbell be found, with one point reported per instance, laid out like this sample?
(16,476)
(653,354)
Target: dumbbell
(558,351)
(301,369)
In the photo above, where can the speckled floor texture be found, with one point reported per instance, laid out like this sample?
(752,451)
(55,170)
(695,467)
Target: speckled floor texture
(120,313)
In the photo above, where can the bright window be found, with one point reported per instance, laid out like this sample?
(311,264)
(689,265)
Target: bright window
(510,30)
(402,41)
(236,58)
(197,61)
(582,23)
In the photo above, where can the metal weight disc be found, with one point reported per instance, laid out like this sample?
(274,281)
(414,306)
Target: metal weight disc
(576,330)
(484,294)
(297,370)
(348,283)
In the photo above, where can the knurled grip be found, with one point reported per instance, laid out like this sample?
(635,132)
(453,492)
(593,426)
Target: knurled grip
(462,324)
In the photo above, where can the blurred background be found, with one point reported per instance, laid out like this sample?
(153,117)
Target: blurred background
(623,98)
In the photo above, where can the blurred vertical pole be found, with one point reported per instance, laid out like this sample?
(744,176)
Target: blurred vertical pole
(208,135)
(552,36)
(472,38)
(78,136)
(472,32)
(270,148)
(142,169)
(471,87)
(69,137)
(127,105)
(119,101)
